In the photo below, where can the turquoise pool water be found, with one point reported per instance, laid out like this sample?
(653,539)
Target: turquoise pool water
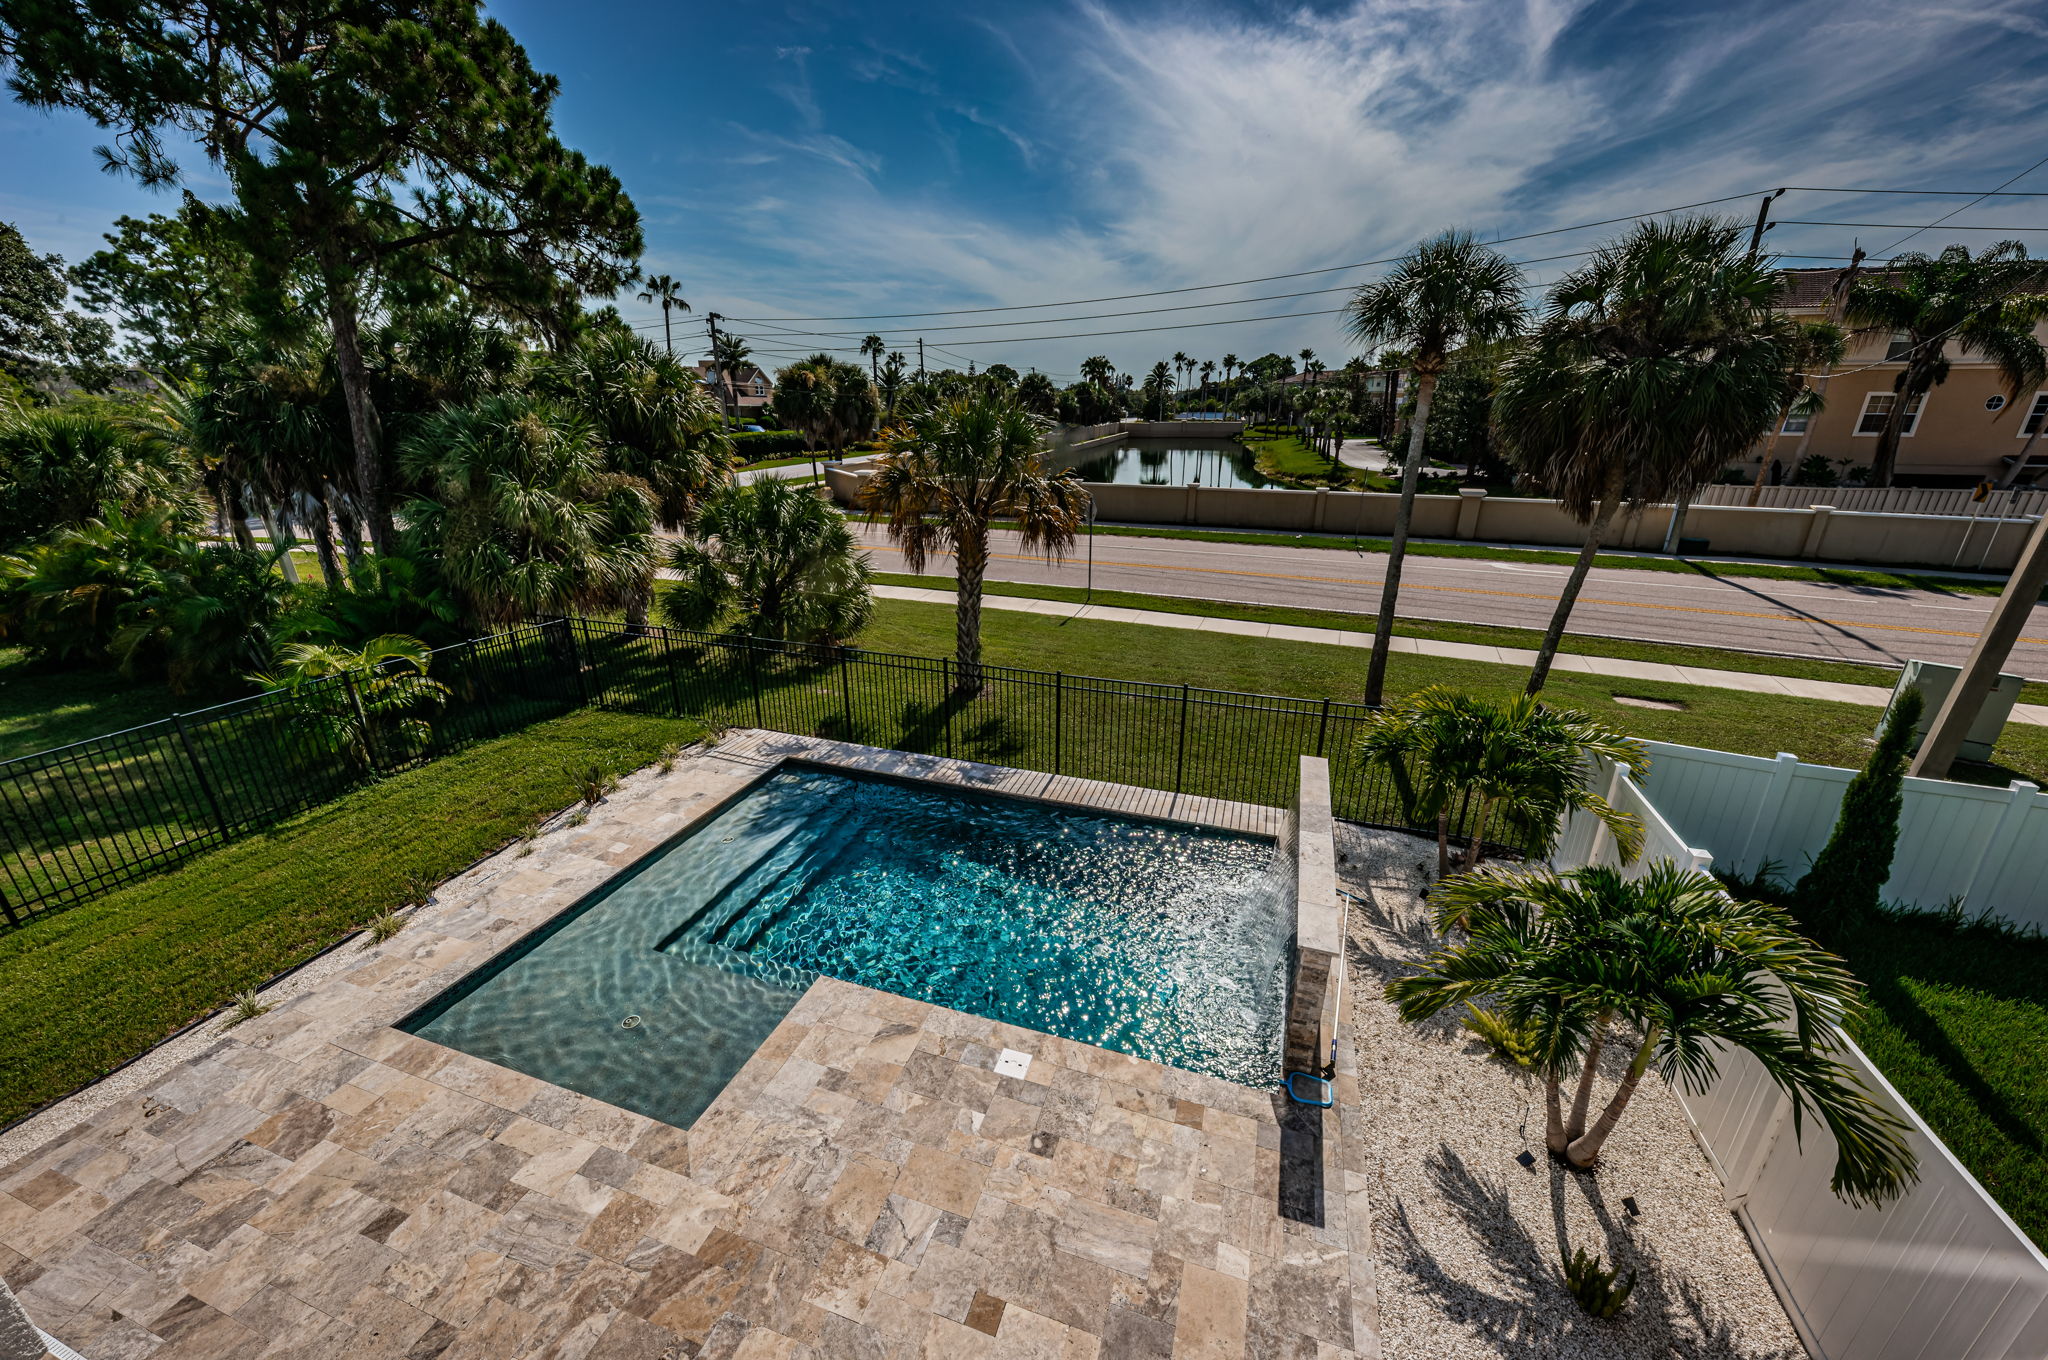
(1162,941)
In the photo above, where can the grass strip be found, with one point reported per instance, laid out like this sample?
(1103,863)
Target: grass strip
(1868,578)
(85,989)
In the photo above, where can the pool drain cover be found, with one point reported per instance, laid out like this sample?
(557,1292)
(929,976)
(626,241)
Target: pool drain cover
(630,1022)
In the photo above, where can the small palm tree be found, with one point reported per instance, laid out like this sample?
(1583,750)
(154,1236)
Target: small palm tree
(958,467)
(1447,293)
(669,293)
(773,560)
(1514,766)
(1660,362)
(1817,345)
(891,381)
(1573,958)
(873,347)
(1208,372)
(730,357)
(378,714)
(1984,304)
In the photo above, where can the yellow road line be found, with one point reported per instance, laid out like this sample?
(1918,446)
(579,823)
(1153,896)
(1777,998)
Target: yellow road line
(1519,595)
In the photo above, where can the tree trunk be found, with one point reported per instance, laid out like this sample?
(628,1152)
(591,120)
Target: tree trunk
(1553,1116)
(1763,460)
(1390,592)
(323,537)
(351,532)
(1575,1126)
(238,518)
(1596,534)
(365,434)
(1585,1149)
(1886,457)
(274,523)
(1676,529)
(1475,839)
(970,565)
(1443,843)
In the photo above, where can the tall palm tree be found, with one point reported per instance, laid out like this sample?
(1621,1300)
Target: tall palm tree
(730,357)
(961,465)
(649,415)
(1660,362)
(1448,292)
(1984,305)
(522,512)
(1230,364)
(668,292)
(1685,968)
(873,347)
(772,560)
(890,381)
(1208,372)
(1308,359)
(1158,391)
(1180,362)
(1513,766)
(1098,369)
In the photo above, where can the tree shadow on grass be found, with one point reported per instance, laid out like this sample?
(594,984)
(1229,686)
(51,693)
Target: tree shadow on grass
(1518,1303)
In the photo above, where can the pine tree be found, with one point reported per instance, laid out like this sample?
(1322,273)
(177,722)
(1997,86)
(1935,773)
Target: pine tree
(1843,884)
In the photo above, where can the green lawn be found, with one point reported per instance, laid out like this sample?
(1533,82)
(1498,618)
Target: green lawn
(1286,458)
(1958,1022)
(1728,720)
(41,707)
(84,989)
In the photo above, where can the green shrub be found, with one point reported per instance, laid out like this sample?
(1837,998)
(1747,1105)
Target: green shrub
(1843,884)
(751,445)
(1508,1040)
(1593,1286)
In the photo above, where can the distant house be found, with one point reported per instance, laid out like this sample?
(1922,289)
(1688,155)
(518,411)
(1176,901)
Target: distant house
(1965,430)
(751,387)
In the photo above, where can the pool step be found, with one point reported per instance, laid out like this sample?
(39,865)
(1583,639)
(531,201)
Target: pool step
(711,922)
(775,899)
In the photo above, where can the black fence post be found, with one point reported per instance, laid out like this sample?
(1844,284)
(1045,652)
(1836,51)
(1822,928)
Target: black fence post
(355,704)
(846,690)
(1059,695)
(199,773)
(668,657)
(575,663)
(754,679)
(1180,760)
(483,691)
(1323,725)
(946,699)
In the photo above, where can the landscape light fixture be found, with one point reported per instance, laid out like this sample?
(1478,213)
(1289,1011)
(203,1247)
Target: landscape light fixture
(1526,1158)
(1628,1202)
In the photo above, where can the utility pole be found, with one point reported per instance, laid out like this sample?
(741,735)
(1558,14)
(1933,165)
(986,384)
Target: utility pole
(711,320)
(920,358)
(1676,529)
(1958,713)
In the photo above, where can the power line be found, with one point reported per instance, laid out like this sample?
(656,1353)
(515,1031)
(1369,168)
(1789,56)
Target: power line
(1799,222)
(2000,192)
(1238,283)
(1965,208)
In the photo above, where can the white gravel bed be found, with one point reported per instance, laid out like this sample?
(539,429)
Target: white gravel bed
(1470,1244)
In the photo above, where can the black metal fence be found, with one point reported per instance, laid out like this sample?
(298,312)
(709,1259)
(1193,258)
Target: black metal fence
(82,819)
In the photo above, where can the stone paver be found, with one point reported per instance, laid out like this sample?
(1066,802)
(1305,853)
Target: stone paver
(1834,691)
(322,1184)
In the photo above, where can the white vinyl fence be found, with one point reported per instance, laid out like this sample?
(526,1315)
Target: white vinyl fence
(1940,1274)
(1987,847)
(1885,500)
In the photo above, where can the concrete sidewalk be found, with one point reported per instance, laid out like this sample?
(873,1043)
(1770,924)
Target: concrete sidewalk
(1873,696)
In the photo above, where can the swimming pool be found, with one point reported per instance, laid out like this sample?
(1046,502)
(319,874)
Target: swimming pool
(1163,941)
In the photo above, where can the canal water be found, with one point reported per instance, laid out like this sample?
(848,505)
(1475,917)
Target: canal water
(1168,462)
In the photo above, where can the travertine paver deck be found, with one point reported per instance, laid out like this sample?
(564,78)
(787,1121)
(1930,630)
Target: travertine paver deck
(322,1184)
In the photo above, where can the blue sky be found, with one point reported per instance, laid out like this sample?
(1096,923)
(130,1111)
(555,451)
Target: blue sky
(797,160)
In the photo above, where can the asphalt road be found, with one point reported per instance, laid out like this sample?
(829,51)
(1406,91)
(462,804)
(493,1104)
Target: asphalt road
(1800,618)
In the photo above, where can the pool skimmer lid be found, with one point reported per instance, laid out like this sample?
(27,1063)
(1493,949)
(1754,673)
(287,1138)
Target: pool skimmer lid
(1012,1063)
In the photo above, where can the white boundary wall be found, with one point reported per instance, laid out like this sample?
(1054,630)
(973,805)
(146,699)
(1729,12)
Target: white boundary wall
(1987,846)
(1940,1274)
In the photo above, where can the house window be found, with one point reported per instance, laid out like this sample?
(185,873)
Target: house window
(1995,402)
(1899,348)
(1877,408)
(2035,414)
(1795,425)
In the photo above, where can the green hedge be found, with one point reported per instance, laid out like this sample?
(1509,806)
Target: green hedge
(753,444)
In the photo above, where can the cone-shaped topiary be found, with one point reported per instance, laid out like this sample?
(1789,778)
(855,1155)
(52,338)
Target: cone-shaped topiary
(1843,884)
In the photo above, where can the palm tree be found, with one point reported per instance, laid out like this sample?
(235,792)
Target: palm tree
(730,357)
(1208,372)
(1230,363)
(1818,345)
(873,347)
(1447,293)
(1180,361)
(1985,305)
(1098,369)
(526,519)
(1158,391)
(1685,968)
(1037,395)
(378,714)
(775,561)
(891,381)
(961,465)
(830,402)
(669,293)
(1308,359)
(1513,766)
(650,416)
(1660,362)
